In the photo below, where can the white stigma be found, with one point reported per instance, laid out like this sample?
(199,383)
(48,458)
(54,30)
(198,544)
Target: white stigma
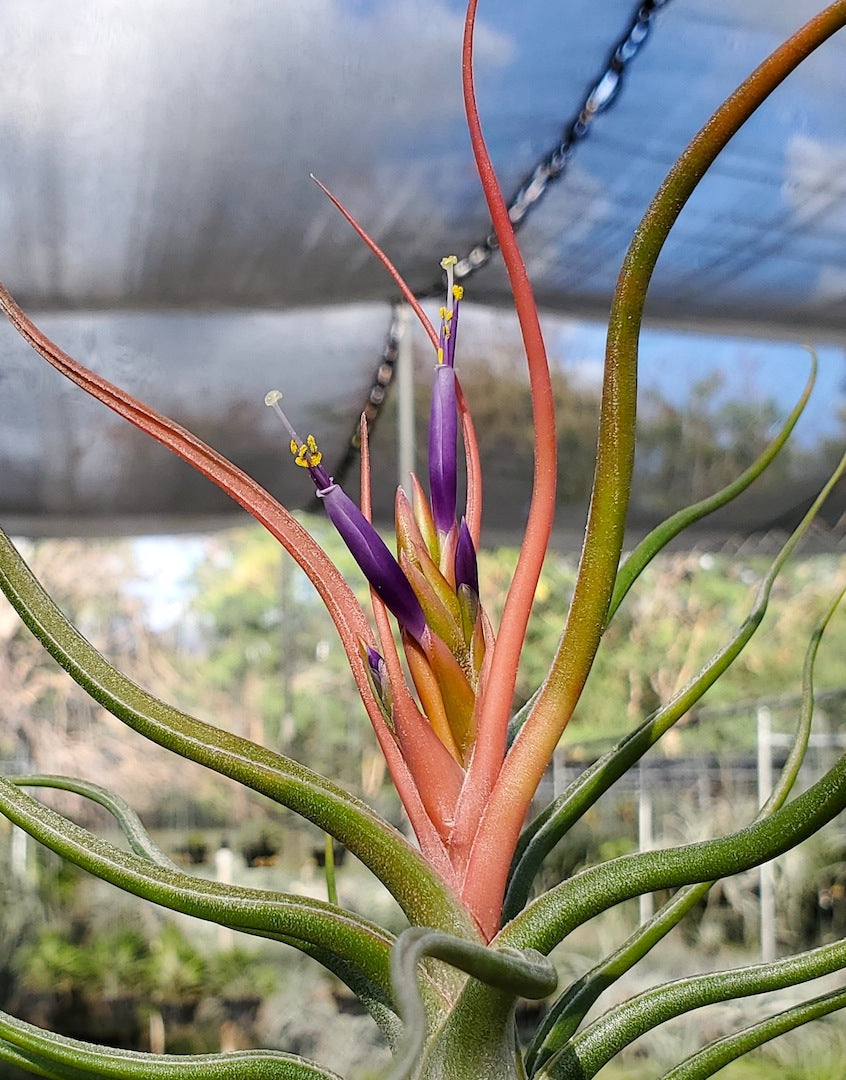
(448,266)
(272,398)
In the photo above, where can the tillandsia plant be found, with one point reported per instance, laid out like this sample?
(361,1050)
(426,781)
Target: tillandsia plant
(444,991)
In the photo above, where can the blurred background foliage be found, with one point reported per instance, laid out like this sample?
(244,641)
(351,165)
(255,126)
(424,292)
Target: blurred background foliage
(225,626)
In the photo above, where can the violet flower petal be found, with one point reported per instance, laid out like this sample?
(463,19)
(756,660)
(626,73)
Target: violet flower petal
(443,448)
(466,569)
(374,659)
(377,563)
(365,545)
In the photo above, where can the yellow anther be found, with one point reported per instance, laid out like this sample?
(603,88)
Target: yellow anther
(440,355)
(306,454)
(458,291)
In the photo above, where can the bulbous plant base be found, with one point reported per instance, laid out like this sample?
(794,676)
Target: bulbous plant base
(475,1035)
(477,1045)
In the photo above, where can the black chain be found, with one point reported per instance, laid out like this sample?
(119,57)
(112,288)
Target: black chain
(601,95)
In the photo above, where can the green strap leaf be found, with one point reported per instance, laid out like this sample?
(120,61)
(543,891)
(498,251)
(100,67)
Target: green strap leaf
(131,825)
(552,823)
(359,943)
(418,889)
(518,973)
(59,1058)
(713,1057)
(586,1053)
(568,1011)
(374,999)
(662,534)
(604,530)
(550,918)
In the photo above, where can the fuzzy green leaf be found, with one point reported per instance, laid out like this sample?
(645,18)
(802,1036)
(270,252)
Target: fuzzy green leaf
(550,918)
(374,999)
(359,943)
(587,1052)
(551,824)
(130,824)
(662,534)
(568,1011)
(710,1059)
(59,1058)
(417,888)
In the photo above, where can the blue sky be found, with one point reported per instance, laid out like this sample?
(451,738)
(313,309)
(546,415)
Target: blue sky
(673,362)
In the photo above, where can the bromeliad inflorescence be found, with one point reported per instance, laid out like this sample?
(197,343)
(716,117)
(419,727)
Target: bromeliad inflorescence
(446,747)
(466,787)
(431,586)
(444,736)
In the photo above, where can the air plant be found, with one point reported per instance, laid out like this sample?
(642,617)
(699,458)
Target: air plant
(465,768)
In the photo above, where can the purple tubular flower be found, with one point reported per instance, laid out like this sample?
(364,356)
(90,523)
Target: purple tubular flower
(466,570)
(376,664)
(379,674)
(443,448)
(366,546)
(377,563)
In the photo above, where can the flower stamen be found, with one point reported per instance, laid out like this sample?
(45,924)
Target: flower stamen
(365,545)
(306,453)
(449,313)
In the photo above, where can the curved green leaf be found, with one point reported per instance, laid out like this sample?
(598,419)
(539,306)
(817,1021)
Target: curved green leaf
(716,1055)
(60,1058)
(568,1011)
(416,886)
(551,824)
(524,974)
(374,999)
(550,918)
(130,824)
(662,534)
(586,1053)
(604,531)
(359,943)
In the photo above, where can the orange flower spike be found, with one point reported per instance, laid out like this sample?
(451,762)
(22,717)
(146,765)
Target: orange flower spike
(468,603)
(498,689)
(410,538)
(429,692)
(449,543)
(478,644)
(423,518)
(436,583)
(412,547)
(458,698)
(473,511)
(444,622)
(426,814)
